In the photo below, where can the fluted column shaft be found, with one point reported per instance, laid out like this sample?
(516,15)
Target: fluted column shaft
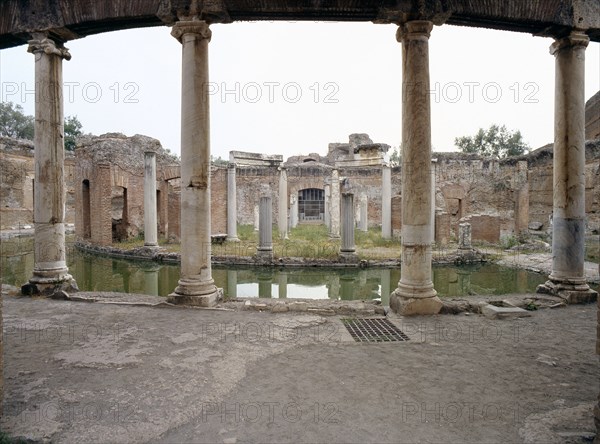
(348,246)
(196,286)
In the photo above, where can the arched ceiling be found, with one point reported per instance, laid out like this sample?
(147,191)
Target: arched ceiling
(65,20)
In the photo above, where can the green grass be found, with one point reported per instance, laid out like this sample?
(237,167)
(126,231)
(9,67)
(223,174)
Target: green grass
(305,240)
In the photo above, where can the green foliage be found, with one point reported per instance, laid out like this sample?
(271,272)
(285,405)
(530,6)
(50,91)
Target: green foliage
(395,159)
(495,142)
(507,242)
(14,123)
(72,132)
(218,161)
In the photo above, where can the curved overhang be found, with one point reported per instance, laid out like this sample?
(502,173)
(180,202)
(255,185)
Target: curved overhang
(65,20)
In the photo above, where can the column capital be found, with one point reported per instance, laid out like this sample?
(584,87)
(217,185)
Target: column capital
(574,39)
(198,27)
(414,30)
(47,46)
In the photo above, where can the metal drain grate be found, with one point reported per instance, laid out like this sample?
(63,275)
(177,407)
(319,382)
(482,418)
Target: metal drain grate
(374,330)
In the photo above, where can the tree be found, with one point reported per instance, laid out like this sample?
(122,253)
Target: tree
(14,123)
(495,142)
(72,132)
(395,159)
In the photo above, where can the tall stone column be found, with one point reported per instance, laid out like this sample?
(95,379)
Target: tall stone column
(567,279)
(415,293)
(150,228)
(283,204)
(334,217)
(231,204)
(50,272)
(196,285)
(386,202)
(265,229)
(348,248)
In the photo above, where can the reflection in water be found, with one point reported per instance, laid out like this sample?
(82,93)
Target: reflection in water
(97,273)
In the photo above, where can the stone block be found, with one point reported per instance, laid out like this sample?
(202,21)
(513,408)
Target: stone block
(493,312)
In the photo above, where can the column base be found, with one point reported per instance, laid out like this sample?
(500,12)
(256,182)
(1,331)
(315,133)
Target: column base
(58,287)
(199,294)
(264,256)
(409,300)
(571,292)
(232,239)
(348,257)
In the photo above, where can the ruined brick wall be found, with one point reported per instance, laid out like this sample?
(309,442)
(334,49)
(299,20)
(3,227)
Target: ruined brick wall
(17,184)
(218,200)
(113,166)
(251,183)
(541,185)
(365,181)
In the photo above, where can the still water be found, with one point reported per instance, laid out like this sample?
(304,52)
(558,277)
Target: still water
(98,273)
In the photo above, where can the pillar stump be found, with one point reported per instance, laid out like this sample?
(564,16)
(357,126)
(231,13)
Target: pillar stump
(415,293)
(348,247)
(567,279)
(50,272)
(264,251)
(196,285)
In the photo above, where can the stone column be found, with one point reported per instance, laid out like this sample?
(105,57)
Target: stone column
(348,248)
(265,229)
(334,217)
(464,236)
(150,232)
(363,223)
(386,202)
(327,215)
(415,293)
(256,217)
(567,279)
(50,272)
(293,211)
(196,286)
(283,203)
(231,204)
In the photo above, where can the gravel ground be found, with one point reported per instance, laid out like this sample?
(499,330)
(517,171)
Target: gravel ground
(89,372)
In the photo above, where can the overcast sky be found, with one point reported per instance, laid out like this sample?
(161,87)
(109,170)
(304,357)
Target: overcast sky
(292,88)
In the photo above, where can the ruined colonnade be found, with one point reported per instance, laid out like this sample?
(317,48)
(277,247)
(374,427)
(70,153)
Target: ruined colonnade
(415,293)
